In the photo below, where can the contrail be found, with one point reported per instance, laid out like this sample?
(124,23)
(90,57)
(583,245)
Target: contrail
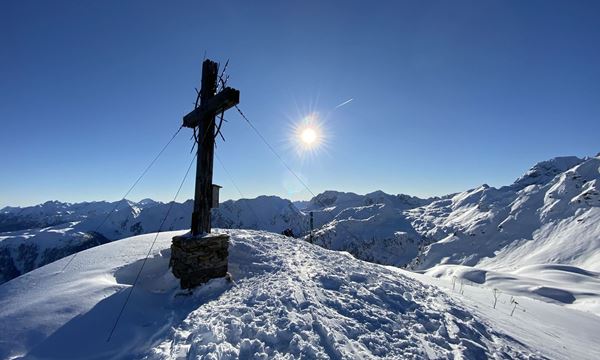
(344,103)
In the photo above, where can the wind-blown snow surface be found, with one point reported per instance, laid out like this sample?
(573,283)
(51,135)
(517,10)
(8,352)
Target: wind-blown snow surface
(288,299)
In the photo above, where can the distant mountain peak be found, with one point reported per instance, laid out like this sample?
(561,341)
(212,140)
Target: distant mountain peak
(147,202)
(545,171)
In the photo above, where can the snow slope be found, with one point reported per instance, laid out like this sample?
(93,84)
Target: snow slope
(60,229)
(549,215)
(372,227)
(539,237)
(24,250)
(378,233)
(288,299)
(562,333)
(565,285)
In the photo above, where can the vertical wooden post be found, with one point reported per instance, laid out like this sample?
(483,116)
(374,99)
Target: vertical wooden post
(311,240)
(206,149)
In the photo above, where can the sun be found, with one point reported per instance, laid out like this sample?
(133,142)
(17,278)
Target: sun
(308,135)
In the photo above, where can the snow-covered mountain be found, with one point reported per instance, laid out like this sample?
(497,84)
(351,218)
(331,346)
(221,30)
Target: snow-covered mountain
(536,239)
(269,213)
(288,300)
(53,213)
(60,229)
(371,227)
(550,215)
(378,233)
(37,235)
(328,205)
(47,232)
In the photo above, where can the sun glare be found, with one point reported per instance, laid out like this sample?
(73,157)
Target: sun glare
(308,136)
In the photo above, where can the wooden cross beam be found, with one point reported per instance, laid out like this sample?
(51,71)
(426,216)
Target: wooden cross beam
(226,99)
(203,117)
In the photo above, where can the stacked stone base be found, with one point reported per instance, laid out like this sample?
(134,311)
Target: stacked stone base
(197,259)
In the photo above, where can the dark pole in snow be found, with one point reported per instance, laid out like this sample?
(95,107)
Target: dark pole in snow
(311,228)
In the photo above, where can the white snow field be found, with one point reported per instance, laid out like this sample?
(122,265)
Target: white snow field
(288,299)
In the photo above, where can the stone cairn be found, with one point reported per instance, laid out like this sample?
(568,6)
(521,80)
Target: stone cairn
(197,259)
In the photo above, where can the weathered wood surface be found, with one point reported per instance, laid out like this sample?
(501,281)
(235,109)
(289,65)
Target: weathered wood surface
(204,118)
(206,149)
(221,102)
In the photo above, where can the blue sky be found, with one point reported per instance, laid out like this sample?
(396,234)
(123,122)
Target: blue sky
(447,95)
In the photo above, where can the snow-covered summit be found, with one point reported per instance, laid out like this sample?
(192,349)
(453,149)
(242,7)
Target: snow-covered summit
(270,213)
(148,202)
(330,200)
(545,171)
(550,221)
(288,299)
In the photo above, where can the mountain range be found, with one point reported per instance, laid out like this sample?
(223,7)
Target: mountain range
(508,272)
(549,215)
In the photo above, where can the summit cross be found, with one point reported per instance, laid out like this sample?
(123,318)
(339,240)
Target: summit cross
(203,117)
